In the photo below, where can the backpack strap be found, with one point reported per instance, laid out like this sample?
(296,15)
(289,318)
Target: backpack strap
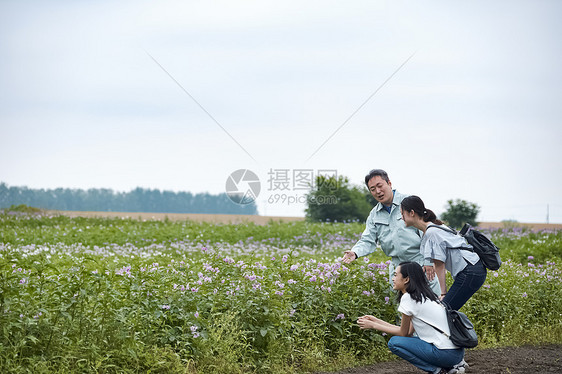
(452,231)
(438,329)
(448,229)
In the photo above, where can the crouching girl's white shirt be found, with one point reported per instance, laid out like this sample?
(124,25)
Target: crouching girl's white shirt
(431,312)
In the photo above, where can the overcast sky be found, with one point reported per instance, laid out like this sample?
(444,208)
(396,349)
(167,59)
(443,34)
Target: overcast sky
(453,99)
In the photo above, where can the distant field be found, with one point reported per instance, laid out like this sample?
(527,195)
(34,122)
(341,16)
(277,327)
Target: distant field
(211,218)
(260,220)
(534,226)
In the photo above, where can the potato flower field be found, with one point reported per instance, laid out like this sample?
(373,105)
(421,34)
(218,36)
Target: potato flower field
(94,295)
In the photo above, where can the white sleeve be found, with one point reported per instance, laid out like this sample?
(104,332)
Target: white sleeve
(407,305)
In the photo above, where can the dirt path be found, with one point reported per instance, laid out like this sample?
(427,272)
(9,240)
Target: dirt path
(528,359)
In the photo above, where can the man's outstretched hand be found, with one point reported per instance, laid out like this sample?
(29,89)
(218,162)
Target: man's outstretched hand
(349,256)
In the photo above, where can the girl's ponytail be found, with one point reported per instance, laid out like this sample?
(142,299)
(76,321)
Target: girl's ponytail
(416,204)
(429,216)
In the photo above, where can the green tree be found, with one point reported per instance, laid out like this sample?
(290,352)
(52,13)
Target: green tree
(335,199)
(459,212)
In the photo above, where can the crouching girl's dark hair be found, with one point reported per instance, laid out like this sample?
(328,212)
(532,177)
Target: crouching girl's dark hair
(418,286)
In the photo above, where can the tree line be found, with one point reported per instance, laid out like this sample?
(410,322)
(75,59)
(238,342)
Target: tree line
(107,200)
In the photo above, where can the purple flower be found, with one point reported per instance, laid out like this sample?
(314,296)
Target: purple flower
(340,316)
(194,331)
(530,258)
(524,294)
(196,314)
(165,306)
(386,299)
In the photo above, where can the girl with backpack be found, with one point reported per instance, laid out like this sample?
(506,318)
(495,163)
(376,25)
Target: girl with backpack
(430,350)
(448,252)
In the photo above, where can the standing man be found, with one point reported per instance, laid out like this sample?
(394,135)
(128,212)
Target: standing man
(386,227)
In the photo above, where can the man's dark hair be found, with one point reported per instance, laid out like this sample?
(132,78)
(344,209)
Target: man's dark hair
(374,173)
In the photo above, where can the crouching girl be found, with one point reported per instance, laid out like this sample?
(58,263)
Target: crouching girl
(430,350)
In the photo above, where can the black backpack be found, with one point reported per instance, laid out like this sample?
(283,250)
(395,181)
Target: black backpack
(487,251)
(462,330)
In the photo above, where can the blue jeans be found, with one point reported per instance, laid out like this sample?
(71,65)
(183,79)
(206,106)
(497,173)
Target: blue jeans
(424,355)
(466,283)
